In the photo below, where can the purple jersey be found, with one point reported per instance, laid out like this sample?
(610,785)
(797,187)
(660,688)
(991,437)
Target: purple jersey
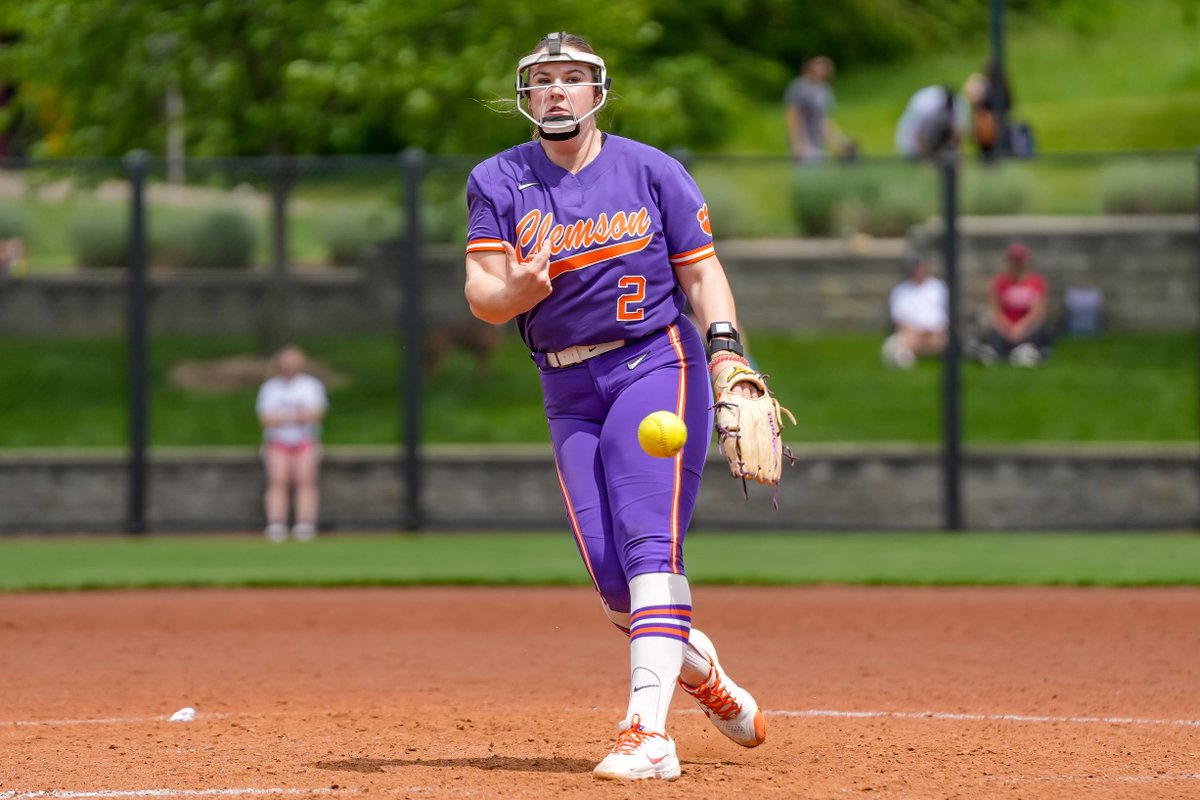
(615,231)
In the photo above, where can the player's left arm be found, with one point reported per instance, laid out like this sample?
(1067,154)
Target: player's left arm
(711,298)
(707,291)
(749,420)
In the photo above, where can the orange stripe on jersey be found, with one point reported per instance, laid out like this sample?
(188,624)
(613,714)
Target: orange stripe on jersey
(575,530)
(677,480)
(485,246)
(593,257)
(692,256)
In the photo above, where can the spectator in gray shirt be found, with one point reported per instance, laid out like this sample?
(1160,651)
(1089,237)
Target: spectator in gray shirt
(808,103)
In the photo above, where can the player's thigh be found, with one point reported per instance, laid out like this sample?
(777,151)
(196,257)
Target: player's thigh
(652,499)
(581,480)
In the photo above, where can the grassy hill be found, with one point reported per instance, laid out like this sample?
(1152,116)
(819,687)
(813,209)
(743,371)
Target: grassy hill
(1105,75)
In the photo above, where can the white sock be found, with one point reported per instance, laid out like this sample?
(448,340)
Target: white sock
(695,665)
(660,620)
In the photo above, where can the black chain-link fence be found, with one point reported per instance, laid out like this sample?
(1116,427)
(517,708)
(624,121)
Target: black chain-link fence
(139,315)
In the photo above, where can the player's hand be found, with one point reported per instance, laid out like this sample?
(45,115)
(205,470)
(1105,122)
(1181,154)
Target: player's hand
(745,389)
(527,282)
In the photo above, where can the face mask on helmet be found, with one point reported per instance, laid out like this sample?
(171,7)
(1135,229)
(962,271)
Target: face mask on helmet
(566,126)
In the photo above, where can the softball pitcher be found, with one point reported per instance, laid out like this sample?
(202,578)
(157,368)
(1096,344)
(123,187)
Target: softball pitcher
(594,243)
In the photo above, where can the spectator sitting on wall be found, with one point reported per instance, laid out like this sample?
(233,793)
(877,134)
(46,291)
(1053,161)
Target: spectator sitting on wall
(1017,315)
(918,310)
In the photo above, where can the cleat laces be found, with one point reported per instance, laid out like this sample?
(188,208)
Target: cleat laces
(715,697)
(630,739)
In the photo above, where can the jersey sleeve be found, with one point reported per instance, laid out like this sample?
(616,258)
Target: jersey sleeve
(684,216)
(483,223)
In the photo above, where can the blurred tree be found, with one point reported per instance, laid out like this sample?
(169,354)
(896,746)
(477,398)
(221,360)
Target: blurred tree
(339,76)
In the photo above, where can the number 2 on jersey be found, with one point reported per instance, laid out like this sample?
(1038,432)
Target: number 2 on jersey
(634,287)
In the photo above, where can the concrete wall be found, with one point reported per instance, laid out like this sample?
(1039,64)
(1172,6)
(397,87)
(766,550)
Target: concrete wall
(504,487)
(1146,267)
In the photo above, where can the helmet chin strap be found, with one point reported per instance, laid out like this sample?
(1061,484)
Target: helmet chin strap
(560,127)
(552,128)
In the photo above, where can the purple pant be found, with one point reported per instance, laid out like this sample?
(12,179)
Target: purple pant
(627,510)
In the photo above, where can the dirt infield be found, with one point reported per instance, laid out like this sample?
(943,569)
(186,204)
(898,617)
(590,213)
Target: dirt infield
(884,692)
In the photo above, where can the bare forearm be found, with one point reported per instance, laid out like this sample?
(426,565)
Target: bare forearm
(708,293)
(489,301)
(500,285)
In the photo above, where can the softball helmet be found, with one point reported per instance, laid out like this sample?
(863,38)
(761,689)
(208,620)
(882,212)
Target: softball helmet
(560,126)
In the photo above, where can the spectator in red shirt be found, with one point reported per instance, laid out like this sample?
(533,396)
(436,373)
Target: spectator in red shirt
(1017,312)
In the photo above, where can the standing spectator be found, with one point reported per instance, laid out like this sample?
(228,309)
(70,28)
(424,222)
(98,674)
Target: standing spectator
(12,257)
(999,101)
(932,121)
(290,407)
(1017,312)
(808,103)
(918,310)
(983,122)
(991,101)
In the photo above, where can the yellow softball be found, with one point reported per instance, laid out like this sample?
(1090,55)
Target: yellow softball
(662,434)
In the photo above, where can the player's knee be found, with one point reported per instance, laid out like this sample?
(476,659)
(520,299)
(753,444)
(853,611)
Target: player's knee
(618,618)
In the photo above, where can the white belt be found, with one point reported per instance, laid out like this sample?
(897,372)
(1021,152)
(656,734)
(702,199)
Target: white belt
(580,352)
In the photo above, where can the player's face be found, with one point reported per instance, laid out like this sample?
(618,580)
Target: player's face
(558,89)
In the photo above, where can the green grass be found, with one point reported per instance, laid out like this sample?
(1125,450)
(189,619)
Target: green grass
(1065,559)
(1132,83)
(1114,388)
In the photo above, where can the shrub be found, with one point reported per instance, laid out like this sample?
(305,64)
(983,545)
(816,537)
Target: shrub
(222,238)
(12,222)
(816,193)
(445,220)
(100,238)
(880,200)
(896,205)
(996,190)
(1147,187)
(347,232)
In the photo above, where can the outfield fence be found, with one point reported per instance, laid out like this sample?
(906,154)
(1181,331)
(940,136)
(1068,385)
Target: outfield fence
(237,256)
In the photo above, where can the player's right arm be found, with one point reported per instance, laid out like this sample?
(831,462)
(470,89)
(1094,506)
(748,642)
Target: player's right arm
(500,285)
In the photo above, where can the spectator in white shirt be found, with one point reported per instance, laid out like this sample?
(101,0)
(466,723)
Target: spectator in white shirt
(917,307)
(932,121)
(290,408)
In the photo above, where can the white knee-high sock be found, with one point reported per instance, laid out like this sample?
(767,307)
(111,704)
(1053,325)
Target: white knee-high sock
(659,623)
(695,663)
